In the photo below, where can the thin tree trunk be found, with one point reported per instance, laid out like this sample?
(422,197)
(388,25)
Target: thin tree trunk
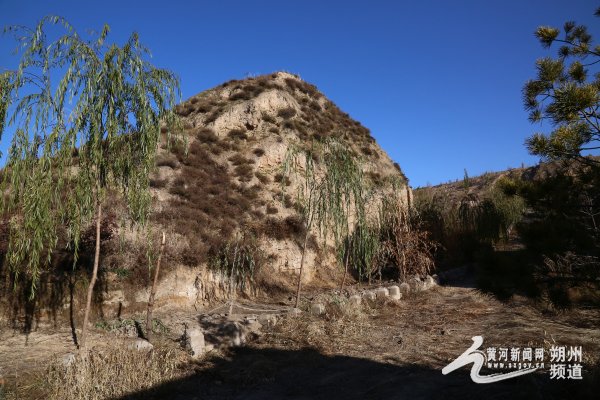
(90,293)
(301,269)
(345,270)
(153,290)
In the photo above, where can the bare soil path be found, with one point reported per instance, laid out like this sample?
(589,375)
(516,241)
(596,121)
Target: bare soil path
(389,351)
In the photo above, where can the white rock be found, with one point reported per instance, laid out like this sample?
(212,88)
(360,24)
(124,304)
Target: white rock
(404,288)
(141,345)
(428,283)
(295,312)
(68,359)
(416,284)
(317,309)
(194,340)
(355,300)
(370,295)
(268,320)
(395,293)
(382,293)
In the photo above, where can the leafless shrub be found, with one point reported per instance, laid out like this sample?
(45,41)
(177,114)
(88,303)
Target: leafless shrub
(286,113)
(239,134)
(403,242)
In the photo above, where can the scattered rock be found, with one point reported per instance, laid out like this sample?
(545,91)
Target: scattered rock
(382,293)
(404,288)
(395,292)
(317,309)
(429,282)
(68,360)
(194,342)
(355,300)
(235,332)
(141,345)
(370,295)
(268,320)
(295,312)
(254,326)
(416,284)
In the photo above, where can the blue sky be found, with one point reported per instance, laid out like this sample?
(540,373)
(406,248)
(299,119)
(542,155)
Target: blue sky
(437,82)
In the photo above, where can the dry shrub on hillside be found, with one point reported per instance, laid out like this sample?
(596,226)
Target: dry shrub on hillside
(206,135)
(239,134)
(262,178)
(286,113)
(210,205)
(167,161)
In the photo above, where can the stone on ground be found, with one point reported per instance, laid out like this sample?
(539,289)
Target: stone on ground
(404,288)
(355,300)
(317,309)
(268,320)
(416,284)
(370,295)
(194,339)
(395,293)
(141,345)
(295,312)
(382,293)
(429,282)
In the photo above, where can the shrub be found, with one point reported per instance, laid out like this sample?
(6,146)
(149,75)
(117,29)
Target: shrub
(286,113)
(268,118)
(242,95)
(206,135)
(157,183)
(272,209)
(204,107)
(238,159)
(244,172)
(167,161)
(212,117)
(258,152)
(264,179)
(238,134)
(279,178)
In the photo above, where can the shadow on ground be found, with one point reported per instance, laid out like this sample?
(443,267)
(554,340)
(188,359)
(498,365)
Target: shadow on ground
(251,373)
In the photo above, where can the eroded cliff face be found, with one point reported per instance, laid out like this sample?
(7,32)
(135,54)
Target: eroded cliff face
(222,191)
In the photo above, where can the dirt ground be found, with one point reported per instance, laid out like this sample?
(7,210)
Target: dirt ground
(384,351)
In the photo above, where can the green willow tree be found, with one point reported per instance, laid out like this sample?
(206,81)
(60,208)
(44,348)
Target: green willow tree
(95,130)
(566,92)
(328,195)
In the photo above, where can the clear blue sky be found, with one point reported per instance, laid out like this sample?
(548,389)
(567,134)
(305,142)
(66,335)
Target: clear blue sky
(437,82)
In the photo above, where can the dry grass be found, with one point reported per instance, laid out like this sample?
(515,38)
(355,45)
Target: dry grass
(113,372)
(432,328)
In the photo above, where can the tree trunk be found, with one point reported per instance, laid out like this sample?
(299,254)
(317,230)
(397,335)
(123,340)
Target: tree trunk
(301,269)
(88,306)
(153,290)
(345,270)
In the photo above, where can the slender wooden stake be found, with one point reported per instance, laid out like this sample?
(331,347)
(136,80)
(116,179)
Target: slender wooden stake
(345,270)
(153,290)
(90,293)
(301,269)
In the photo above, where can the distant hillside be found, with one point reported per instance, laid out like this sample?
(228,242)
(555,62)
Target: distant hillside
(478,186)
